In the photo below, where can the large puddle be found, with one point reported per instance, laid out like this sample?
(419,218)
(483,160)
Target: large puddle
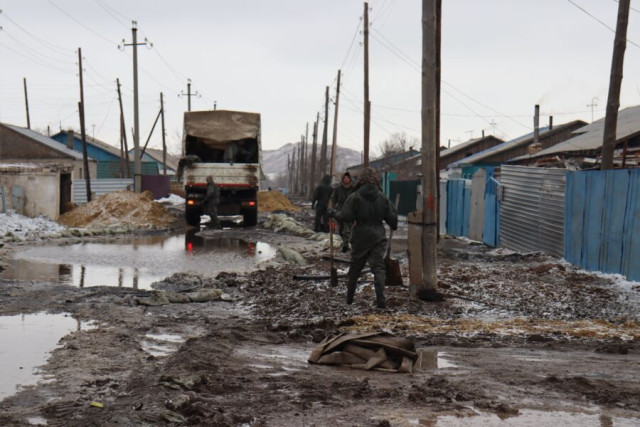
(26,340)
(135,262)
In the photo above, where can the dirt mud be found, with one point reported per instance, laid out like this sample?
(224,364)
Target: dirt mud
(519,339)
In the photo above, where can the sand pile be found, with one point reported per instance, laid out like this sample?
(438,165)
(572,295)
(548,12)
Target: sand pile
(269,201)
(119,208)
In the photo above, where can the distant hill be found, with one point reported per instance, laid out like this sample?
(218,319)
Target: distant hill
(274,162)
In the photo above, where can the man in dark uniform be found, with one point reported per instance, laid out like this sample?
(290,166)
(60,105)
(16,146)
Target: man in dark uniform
(321,197)
(211,201)
(340,194)
(368,207)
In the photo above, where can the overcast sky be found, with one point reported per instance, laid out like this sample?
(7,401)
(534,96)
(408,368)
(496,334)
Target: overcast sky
(500,57)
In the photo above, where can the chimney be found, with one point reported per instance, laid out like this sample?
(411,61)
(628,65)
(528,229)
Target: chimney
(449,144)
(550,122)
(483,133)
(70,139)
(536,124)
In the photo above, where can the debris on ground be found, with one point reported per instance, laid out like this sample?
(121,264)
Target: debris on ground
(269,201)
(283,222)
(380,351)
(182,282)
(291,256)
(163,298)
(15,227)
(120,208)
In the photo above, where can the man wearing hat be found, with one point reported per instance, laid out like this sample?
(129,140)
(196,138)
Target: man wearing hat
(368,207)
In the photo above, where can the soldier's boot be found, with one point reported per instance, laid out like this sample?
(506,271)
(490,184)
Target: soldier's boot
(379,286)
(351,289)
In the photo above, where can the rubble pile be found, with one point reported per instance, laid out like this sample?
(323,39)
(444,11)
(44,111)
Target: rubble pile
(269,201)
(283,222)
(120,208)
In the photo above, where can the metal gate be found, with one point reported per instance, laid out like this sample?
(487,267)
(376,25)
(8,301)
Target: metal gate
(532,209)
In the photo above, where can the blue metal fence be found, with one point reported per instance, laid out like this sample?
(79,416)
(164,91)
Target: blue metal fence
(602,221)
(458,207)
(491,231)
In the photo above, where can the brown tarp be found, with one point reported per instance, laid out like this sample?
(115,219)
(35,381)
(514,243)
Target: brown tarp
(379,350)
(220,127)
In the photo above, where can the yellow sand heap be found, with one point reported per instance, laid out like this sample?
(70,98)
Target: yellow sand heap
(269,201)
(119,208)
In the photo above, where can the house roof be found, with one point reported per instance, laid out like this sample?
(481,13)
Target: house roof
(505,146)
(156,154)
(95,142)
(44,140)
(590,137)
(465,145)
(394,158)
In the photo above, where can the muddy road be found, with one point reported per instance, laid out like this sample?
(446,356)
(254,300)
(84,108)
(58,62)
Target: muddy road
(521,340)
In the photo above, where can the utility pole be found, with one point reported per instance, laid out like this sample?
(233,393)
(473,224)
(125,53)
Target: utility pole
(593,105)
(323,149)
(26,102)
(429,285)
(189,95)
(314,149)
(334,145)
(155,122)
(137,180)
(438,95)
(305,161)
(613,99)
(301,165)
(367,102)
(123,132)
(164,142)
(85,160)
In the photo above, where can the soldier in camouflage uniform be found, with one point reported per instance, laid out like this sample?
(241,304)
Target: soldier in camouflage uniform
(211,201)
(340,194)
(367,207)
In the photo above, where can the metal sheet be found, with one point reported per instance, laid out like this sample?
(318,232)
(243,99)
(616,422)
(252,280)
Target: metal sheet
(476,218)
(532,209)
(98,188)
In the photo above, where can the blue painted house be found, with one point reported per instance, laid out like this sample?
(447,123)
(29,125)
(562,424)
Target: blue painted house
(107,155)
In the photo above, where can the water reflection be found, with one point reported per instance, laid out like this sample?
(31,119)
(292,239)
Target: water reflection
(136,262)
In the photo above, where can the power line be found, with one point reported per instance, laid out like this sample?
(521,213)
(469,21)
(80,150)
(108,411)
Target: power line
(45,43)
(600,21)
(353,40)
(81,23)
(107,9)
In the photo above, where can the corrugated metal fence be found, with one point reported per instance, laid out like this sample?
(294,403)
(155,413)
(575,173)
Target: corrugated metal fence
(532,209)
(603,221)
(98,188)
(458,207)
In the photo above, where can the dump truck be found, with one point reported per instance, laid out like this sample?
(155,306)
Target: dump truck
(225,145)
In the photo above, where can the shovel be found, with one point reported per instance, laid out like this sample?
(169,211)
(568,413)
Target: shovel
(334,270)
(392,266)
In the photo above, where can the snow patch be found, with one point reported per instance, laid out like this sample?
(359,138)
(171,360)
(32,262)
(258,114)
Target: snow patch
(25,228)
(172,199)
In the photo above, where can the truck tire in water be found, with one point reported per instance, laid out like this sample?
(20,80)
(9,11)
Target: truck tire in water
(192,217)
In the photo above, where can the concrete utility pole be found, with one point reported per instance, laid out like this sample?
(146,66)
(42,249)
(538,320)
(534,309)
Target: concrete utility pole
(615,81)
(26,102)
(123,132)
(367,102)
(137,172)
(593,105)
(314,149)
(323,149)
(429,284)
(334,145)
(164,142)
(85,160)
(189,95)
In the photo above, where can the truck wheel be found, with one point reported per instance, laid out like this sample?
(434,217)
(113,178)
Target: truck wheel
(192,217)
(250,218)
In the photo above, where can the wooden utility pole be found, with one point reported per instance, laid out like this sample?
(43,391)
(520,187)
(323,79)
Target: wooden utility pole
(85,160)
(26,102)
(438,94)
(123,132)
(429,283)
(314,149)
(301,166)
(367,102)
(292,172)
(137,172)
(305,162)
(164,142)
(289,180)
(323,149)
(155,122)
(334,144)
(615,81)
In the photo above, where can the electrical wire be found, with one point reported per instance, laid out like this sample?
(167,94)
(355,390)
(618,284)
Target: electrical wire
(106,9)
(82,24)
(45,43)
(600,21)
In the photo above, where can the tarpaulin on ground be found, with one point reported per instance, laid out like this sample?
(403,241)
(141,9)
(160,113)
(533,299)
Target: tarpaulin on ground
(380,351)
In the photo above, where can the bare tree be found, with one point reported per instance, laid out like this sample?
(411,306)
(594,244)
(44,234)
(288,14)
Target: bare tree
(398,142)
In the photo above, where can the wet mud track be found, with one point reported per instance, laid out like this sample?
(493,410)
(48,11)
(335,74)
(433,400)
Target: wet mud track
(509,351)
